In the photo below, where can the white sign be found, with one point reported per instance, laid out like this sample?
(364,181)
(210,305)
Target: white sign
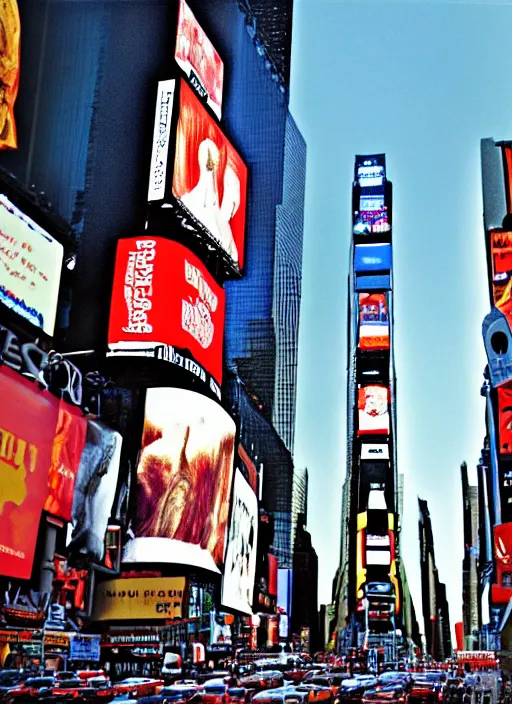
(378,557)
(30,267)
(161,136)
(374,452)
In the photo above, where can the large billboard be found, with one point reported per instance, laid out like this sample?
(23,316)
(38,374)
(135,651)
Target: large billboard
(373,321)
(184,478)
(208,177)
(142,598)
(164,296)
(505,420)
(9,71)
(501,258)
(30,267)
(28,417)
(240,562)
(371,216)
(95,489)
(197,56)
(372,258)
(373,407)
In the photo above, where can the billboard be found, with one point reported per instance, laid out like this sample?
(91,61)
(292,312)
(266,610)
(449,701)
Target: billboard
(196,55)
(30,267)
(372,215)
(95,489)
(184,477)
(507,163)
(140,598)
(373,321)
(240,561)
(372,257)
(164,296)
(28,417)
(68,444)
(501,258)
(373,407)
(9,71)
(370,171)
(505,420)
(374,451)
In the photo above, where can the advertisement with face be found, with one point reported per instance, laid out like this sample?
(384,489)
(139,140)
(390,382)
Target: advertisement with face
(505,420)
(373,405)
(210,178)
(9,72)
(163,295)
(240,562)
(28,417)
(184,480)
(30,267)
(95,489)
(68,444)
(373,322)
(372,257)
(196,55)
(501,256)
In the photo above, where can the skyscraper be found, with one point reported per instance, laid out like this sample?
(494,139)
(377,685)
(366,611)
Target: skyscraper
(470,618)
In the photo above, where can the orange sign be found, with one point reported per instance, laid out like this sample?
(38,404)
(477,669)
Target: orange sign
(10,30)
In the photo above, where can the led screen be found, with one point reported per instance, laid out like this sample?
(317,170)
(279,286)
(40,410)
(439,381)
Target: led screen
(28,417)
(373,321)
(505,420)
(377,541)
(240,562)
(210,178)
(184,477)
(196,55)
(9,71)
(370,175)
(372,216)
(30,267)
(501,256)
(374,451)
(372,257)
(163,295)
(373,405)
(378,557)
(507,154)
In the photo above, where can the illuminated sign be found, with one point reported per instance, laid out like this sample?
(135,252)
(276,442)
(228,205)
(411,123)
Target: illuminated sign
(373,322)
(378,557)
(140,598)
(372,452)
(372,258)
(505,420)
(163,296)
(30,267)
(377,541)
(161,140)
(373,405)
(9,71)
(196,55)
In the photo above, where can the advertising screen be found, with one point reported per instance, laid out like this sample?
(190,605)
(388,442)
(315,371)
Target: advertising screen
(501,257)
(373,405)
(374,451)
(28,418)
(184,480)
(163,295)
(505,420)
(240,562)
(372,216)
(507,158)
(9,71)
(68,444)
(210,178)
(372,257)
(373,321)
(196,55)
(139,598)
(95,489)
(30,267)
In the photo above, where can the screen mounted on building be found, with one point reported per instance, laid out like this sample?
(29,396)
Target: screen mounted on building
(505,420)
(373,321)
(501,257)
(30,267)
(197,56)
(373,406)
(372,258)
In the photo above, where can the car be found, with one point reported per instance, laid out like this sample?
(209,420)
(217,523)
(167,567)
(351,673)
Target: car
(453,690)
(62,675)
(352,690)
(71,689)
(426,687)
(31,687)
(173,694)
(281,695)
(389,694)
(317,693)
(139,686)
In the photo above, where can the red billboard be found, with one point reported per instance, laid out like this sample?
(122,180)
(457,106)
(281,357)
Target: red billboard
(505,419)
(9,72)
(507,158)
(373,407)
(501,257)
(184,478)
(210,178)
(163,295)
(197,56)
(373,321)
(28,417)
(502,590)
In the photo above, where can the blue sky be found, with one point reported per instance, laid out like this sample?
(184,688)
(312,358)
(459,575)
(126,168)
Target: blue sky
(422,81)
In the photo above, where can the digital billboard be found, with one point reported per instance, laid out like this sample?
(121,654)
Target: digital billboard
(505,419)
(374,451)
(507,159)
(30,267)
(370,171)
(28,417)
(184,477)
(67,447)
(373,407)
(372,258)
(371,216)
(9,72)
(373,321)
(501,257)
(196,55)
(139,598)
(164,296)
(240,561)
(95,489)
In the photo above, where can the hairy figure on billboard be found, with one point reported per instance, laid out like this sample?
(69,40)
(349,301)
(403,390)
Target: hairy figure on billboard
(184,476)
(95,489)
(210,178)
(373,404)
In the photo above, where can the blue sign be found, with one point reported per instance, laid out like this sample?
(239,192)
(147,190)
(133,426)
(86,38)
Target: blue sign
(372,258)
(381,282)
(82,647)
